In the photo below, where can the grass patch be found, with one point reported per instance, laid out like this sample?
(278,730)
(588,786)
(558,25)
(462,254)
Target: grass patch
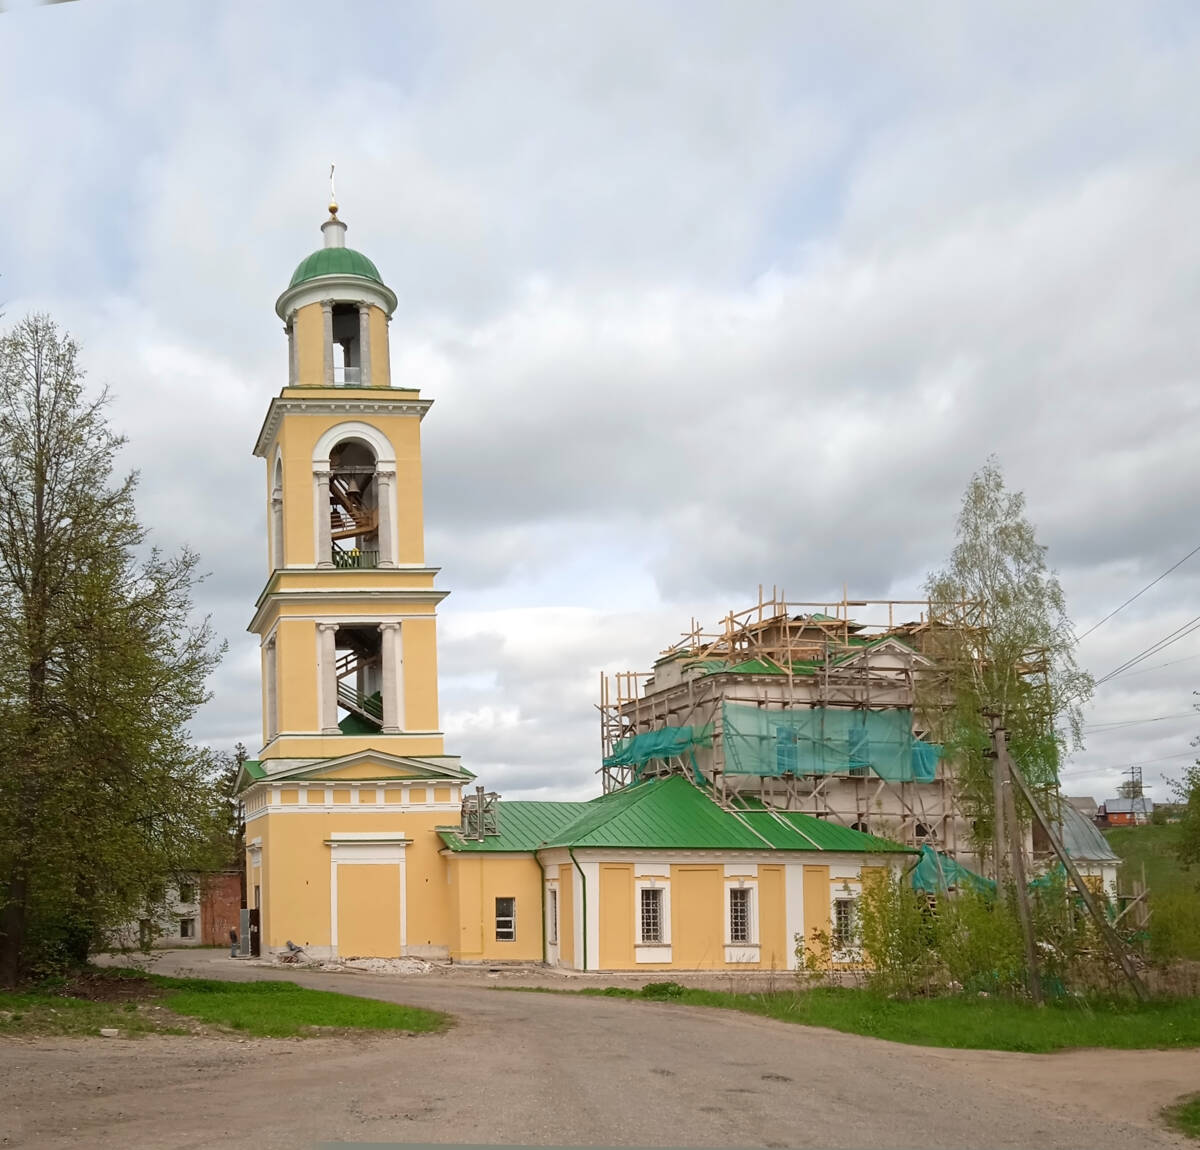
(967,1023)
(284,1010)
(1175,922)
(135,1004)
(1185,1116)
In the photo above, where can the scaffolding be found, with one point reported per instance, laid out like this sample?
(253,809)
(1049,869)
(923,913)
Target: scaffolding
(780,656)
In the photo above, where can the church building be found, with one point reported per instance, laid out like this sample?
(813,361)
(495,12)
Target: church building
(365,838)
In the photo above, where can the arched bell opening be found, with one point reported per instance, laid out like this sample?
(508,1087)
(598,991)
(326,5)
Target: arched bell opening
(353,505)
(359,674)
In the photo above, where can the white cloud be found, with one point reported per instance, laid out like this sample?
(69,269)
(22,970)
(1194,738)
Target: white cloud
(705,297)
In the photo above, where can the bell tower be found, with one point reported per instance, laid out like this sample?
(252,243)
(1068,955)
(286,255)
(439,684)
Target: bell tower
(347,617)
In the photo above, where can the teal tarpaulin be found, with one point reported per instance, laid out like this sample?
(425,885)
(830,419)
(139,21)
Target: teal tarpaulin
(935,873)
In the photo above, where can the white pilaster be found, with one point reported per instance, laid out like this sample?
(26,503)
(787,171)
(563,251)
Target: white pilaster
(327,339)
(322,531)
(327,676)
(364,344)
(293,351)
(393,679)
(385,481)
(272,700)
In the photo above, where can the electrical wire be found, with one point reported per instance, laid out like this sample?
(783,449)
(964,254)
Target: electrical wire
(1147,670)
(1142,592)
(1179,633)
(1135,722)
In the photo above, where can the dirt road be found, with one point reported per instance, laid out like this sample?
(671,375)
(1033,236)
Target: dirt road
(542,1068)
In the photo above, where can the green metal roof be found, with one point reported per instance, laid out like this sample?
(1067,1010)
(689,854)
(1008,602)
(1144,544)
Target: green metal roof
(335,262)
(523,826)
(254,769)
(665,814)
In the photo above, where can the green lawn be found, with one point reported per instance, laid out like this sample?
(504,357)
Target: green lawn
(1174,891)
(137,1004)
(1185,1116)
(283,1009)
(966,1022)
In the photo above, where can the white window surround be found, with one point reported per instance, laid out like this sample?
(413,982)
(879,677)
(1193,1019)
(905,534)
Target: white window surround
(748,951)
(659,951)
(838,891)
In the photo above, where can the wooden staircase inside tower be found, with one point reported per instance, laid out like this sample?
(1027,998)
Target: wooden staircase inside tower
(369,707)
(348,518)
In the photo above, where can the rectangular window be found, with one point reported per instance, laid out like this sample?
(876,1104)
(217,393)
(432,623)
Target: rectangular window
(739,914)
(650,917)
(187,928)
(844,923)
(552,911)
(187,893)
(506,920)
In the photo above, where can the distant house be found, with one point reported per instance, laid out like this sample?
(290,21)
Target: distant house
(1126,812)
(1086,806)
(197,911)
(1095,860)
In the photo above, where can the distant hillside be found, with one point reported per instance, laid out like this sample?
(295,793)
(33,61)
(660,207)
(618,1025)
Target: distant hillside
(1174,891)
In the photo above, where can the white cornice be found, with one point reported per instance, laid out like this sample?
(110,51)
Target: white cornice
(340,288)
(383,404)
(321,598)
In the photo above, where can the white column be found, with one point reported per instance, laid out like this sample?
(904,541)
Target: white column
(364,344)
(277,529)
(393,679)
(385,483)
(327,676)
(272,701)
(293,351)
(322,530)
(327,340)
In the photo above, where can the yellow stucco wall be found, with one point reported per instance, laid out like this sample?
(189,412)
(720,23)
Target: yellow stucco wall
(309,333)
(369,911)
(697,917)
(616,949)
(816,902)
(478,881)
(381,365)
(566,914)
(775,952)
(419,640)
(297,869)
(295,662)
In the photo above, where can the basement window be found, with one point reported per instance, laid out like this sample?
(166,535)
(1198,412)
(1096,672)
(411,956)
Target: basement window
(650,915)
(739,914)
(506,920)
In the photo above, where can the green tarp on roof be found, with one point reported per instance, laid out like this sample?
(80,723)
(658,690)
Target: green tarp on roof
(665,743)
(935,873)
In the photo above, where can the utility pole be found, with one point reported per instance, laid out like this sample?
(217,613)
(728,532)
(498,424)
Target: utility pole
(1002,785)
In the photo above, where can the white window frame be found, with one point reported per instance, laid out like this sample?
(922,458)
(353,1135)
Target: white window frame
(844,892)
(659,951)
(552,916)
(747,951)
(511,919)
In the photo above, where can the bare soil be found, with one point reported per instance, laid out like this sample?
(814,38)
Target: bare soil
(540,1069)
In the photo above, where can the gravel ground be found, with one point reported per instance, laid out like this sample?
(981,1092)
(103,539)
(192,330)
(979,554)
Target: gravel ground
(539,1069)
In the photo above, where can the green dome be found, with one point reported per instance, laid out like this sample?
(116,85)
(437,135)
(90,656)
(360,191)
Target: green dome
(335,262)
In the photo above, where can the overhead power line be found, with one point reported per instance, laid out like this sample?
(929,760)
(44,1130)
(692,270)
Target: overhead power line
(1112,726)
(1179,633)
(1147,670)
(1142,592)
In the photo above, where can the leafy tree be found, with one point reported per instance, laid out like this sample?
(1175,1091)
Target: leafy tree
(1004,641)
(102,794)
(1187,792)
(1130,789)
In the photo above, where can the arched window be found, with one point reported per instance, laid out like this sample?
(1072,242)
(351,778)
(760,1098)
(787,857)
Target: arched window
(277,560)
(353,505)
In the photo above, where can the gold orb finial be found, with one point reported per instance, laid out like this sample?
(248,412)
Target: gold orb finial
(333,206)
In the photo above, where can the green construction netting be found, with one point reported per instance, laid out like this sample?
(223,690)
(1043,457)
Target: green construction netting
(825,741)
(935,873)
(665,743)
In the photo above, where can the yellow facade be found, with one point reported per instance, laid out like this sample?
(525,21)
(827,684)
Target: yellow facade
(348,802)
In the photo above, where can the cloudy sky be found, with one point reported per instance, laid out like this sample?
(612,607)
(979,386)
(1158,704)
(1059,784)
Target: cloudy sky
(706,295)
